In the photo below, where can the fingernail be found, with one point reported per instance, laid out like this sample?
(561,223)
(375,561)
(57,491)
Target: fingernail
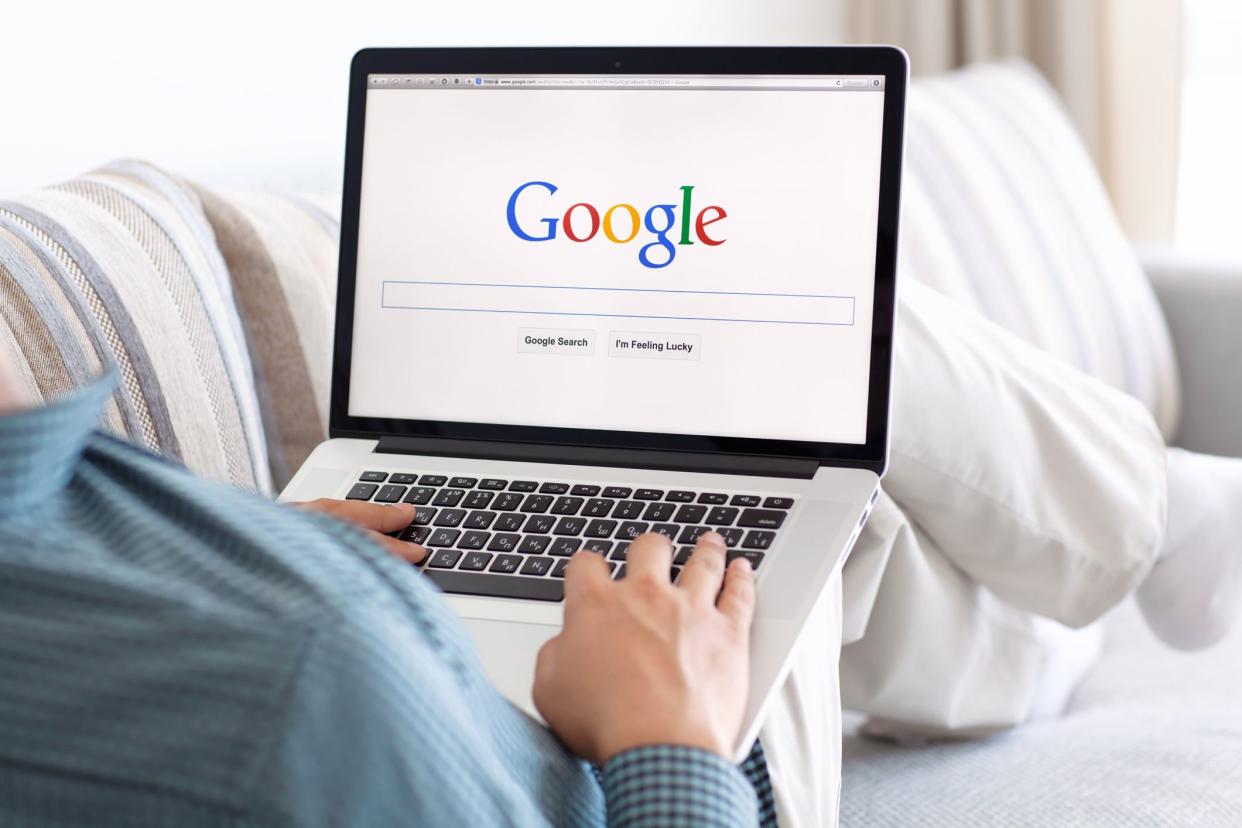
(742,563)
(405,507)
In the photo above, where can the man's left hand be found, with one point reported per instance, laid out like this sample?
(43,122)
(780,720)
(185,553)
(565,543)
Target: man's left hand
(377,519)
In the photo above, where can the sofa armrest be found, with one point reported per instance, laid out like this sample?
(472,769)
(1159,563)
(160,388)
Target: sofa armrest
(1202,301)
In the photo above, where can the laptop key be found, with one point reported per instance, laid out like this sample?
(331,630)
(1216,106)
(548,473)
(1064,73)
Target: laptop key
(414,534)
(506,563)
(474,539)
(476,561)
(536,503)
(601,547)
(493,484)
(478,499)
(361,491)
(680,496)
(564,547)
(751,555)
(507,502)
(690,513)
(554,488)
(373,476)
(668,530)
(567,505)
(423,515)
(569,526)
(444,559)
(389,494)
(558,569)
(617,491)
(600,528)
(691,534)
(504,542)
(436,480)
(463,482)
(722,516)
(450,517)
(598,507)
(539,524)
(479,520)
(758,539)
(509,522)
(419,495)
(713,498)
(744,500)
(621,552)
(628,510)
(537,565)
(732,537)
(683,555)
(762,518)
(659,511)
(448,497)
(402,479)
(443,537)
(582,490)
(649,494)
(523,486)
(497,586)
(631,529)
(534,544)
(778,503)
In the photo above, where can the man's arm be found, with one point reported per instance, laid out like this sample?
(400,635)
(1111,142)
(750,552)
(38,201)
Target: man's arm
(648,680)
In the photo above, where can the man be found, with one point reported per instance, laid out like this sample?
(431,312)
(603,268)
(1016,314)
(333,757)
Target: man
(176,652)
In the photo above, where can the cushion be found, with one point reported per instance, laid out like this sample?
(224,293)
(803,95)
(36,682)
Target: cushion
(282,253)
(1004,210)
(119,268)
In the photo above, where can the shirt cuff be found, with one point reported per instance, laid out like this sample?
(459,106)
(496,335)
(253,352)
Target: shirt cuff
(672,786)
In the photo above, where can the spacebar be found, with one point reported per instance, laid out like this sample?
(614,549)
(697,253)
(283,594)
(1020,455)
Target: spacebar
(497,586)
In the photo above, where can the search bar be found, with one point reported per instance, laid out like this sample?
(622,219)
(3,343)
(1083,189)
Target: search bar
(626,303)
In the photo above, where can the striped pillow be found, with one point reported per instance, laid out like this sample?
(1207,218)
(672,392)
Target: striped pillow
(1003,210)
(120,268)
(282,252)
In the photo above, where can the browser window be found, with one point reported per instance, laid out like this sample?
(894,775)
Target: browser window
(672,254)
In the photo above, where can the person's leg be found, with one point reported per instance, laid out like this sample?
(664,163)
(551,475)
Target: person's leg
(802,735)
(931,653)
(1023,493)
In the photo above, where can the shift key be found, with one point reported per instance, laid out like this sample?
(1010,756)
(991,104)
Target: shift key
(762,518)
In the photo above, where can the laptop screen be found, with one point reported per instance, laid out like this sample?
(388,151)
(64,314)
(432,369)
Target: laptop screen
(673,254)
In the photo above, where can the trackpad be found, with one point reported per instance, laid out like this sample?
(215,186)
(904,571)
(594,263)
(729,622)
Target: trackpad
(508,649)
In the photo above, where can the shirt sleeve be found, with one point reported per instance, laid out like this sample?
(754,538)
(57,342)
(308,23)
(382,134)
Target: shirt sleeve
(670,786)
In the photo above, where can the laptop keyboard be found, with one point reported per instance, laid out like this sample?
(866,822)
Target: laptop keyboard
(513,538)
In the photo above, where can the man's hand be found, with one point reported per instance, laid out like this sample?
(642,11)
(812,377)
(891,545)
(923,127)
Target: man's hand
(641,661)
(377,519)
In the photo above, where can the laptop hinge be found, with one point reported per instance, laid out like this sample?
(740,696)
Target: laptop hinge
(747,464)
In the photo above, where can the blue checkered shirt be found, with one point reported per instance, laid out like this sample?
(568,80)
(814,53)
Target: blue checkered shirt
(178,653)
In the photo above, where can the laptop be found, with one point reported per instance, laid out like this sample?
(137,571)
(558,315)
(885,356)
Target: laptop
(586,293)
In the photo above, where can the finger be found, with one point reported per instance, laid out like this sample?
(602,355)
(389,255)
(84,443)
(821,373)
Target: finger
(737,597)
(586,574)
(404,550)
(704,572)
(649,556)
(382,517)
(545,672)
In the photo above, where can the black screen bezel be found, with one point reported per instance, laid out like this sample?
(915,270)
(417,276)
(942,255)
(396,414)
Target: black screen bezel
(846,60)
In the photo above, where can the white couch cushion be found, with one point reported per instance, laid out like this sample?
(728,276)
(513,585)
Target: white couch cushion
(1003,209)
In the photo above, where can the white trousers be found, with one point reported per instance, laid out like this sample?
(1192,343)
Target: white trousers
(1023,499)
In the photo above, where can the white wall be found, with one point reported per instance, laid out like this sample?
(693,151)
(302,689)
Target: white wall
(237,93)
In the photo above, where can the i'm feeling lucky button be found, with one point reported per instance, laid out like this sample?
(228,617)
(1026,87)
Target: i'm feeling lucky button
(649,345)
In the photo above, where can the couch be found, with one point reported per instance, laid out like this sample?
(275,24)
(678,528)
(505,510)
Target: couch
(215,310)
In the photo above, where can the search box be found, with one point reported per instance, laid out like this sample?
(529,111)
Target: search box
(626,303)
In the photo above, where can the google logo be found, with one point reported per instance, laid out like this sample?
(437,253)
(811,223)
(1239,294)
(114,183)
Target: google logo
(620,224)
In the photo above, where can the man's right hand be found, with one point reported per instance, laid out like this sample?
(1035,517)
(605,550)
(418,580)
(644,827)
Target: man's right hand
(642,661)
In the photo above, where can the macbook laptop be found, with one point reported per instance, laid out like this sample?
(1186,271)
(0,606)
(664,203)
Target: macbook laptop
(587,293)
